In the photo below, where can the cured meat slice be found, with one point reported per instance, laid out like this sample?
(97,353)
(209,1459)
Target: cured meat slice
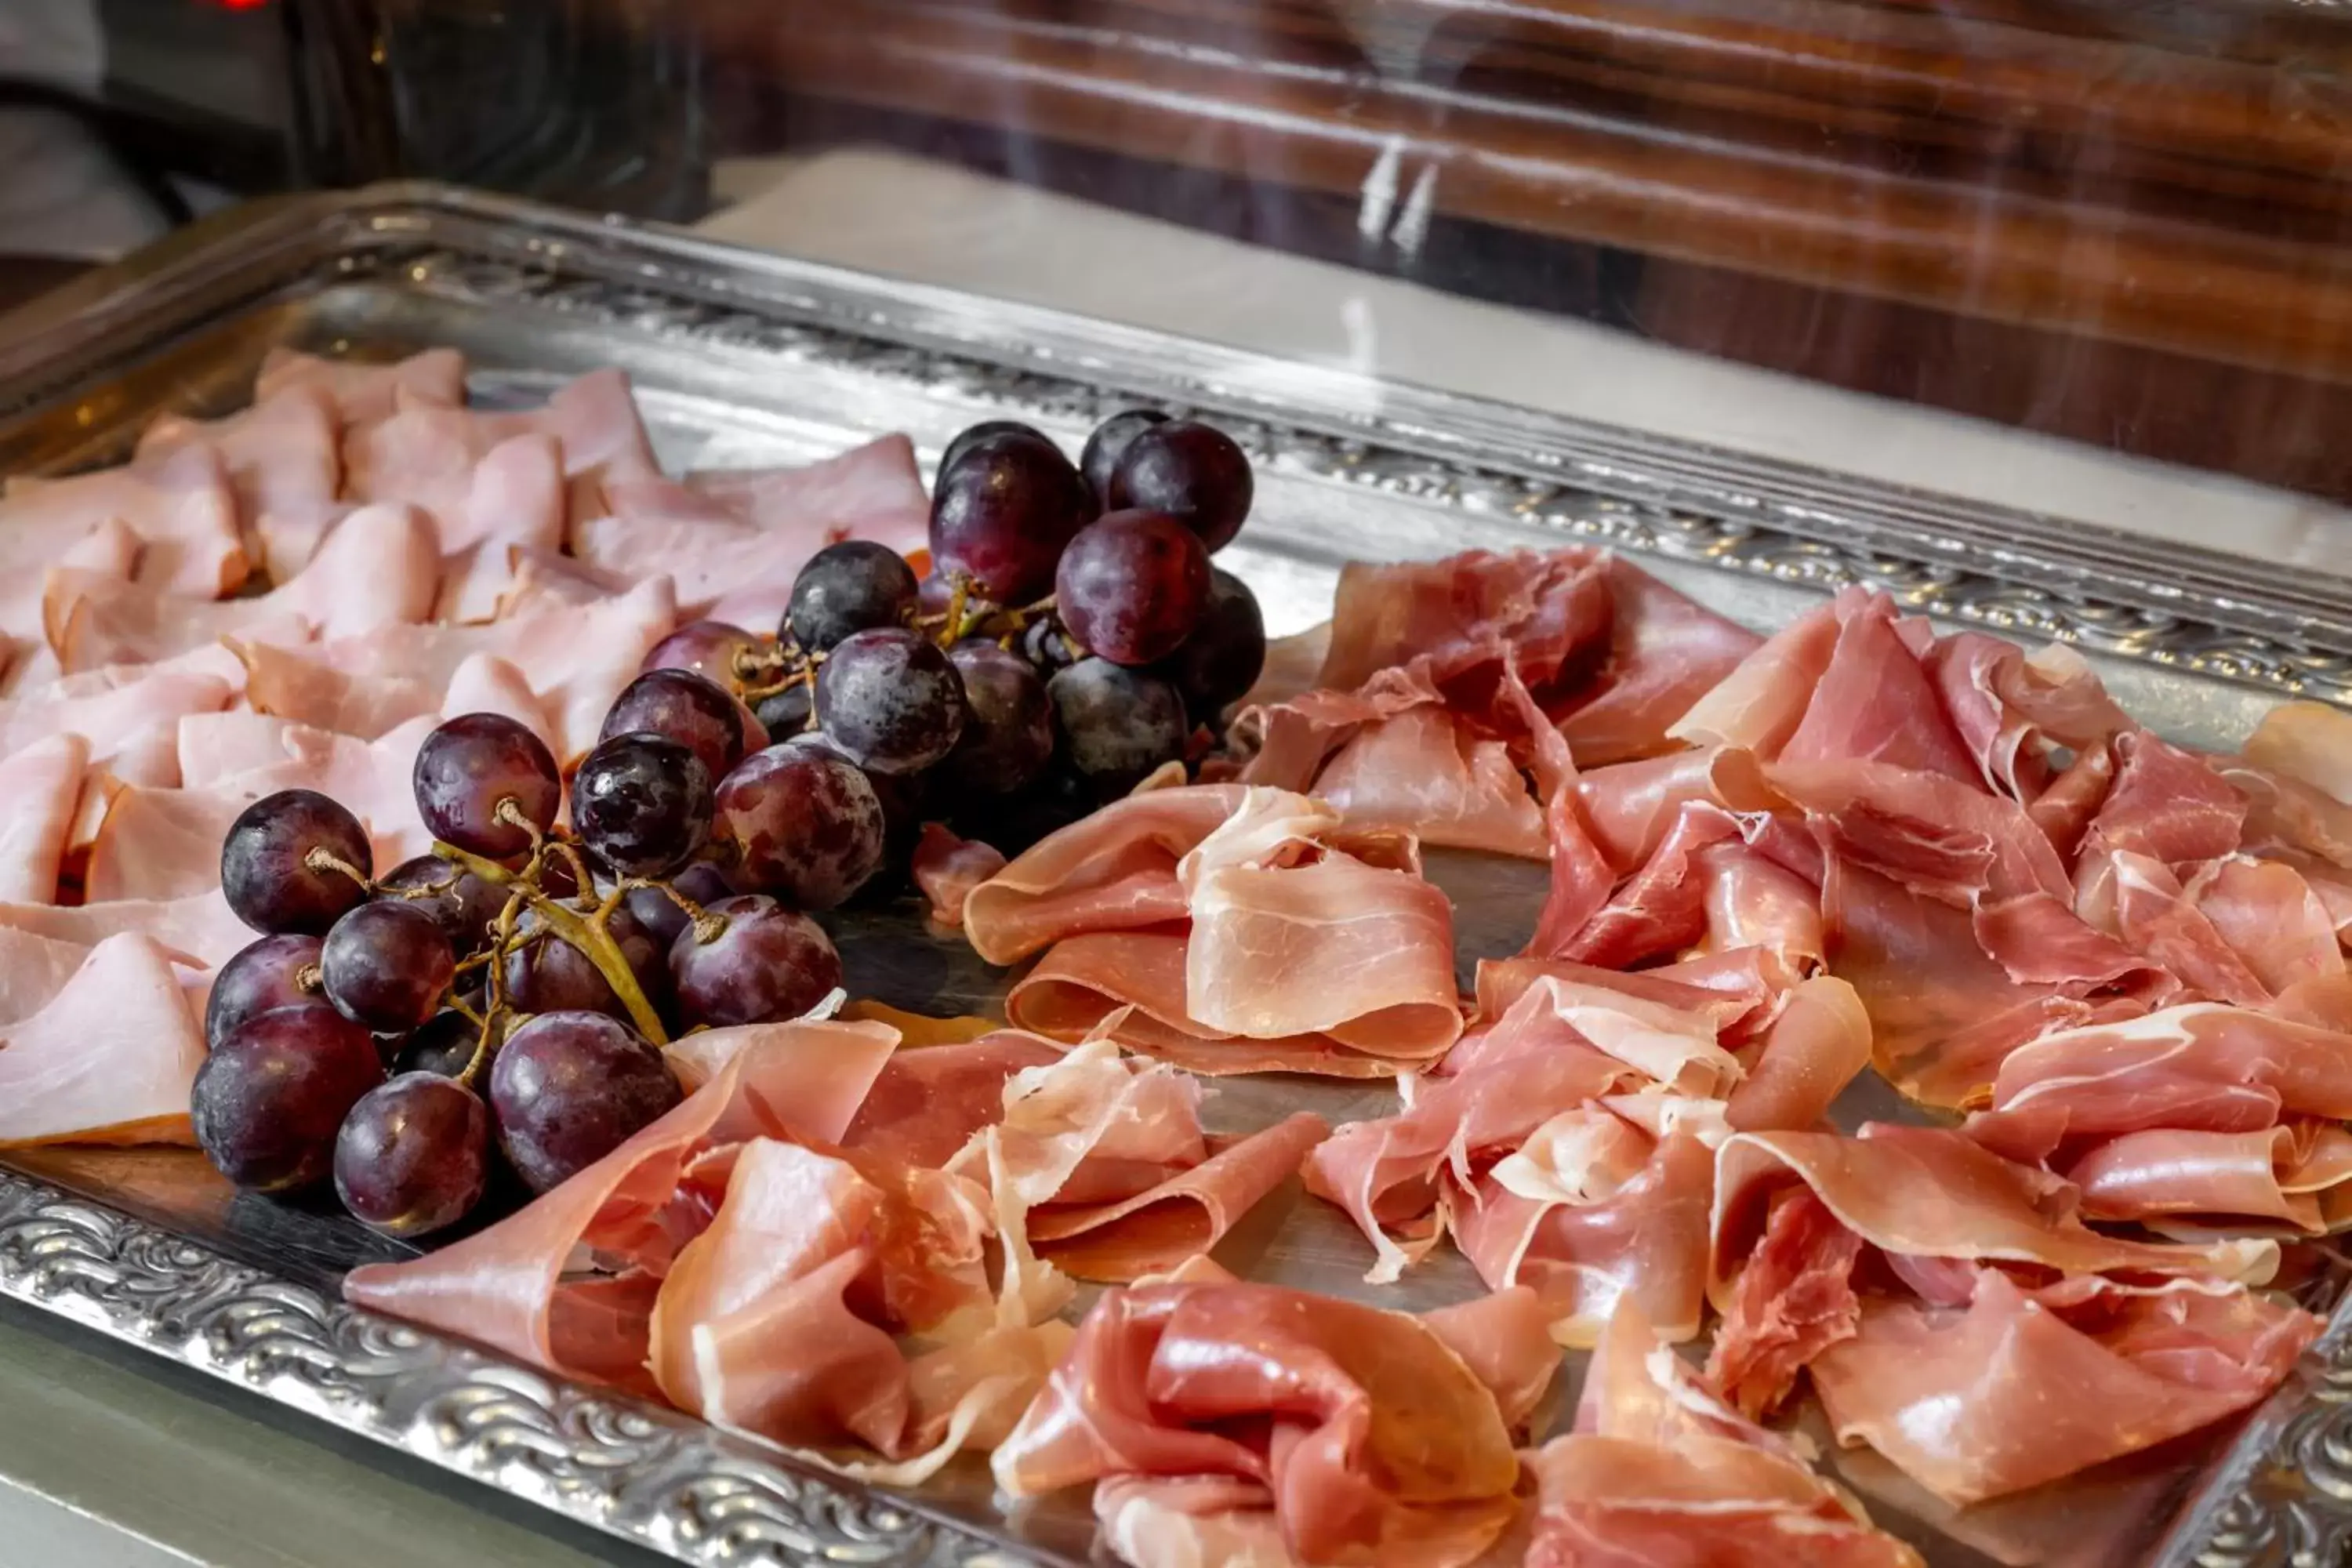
(2293,1175)
(110,1058)
(1663,1031)
(1387,1174)
(1453,616)
(367,392)
(1934,1193)
(33,969)
(1374,1442)
(1593,1212)
(2271,917)
(289,684)
(1760,703)
(1819,1044)
(1114,870)
(39,787)
(280,455)
(1873,701)
(2137,1369)
(200,927)
(1630,807)
(2168,804)
(509,1287)
(514,502)
(1665,653)
(181,507)
(946,868)
(1658,1473)
(873,491)
(2200,1067)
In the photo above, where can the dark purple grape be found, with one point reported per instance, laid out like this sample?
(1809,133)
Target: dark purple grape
(642,802)
(545,973)
(266,874)
(890,701)
(785,713)
(904,796)
(933,594)
(568,1088)
(682,706)
(465,906)
(986,430)
(802,822)
(413,1155)
(1194,473)
(1048,806)
(769,964)
(852,587)
(706,648)
(1003,513)
(657,913)
(261,978)
(1133,586)
(1109,444)
(471,763)
(270,1099)
(1008,737)
(1046,644)
(443,1043)
(1225,654)
(387,965)
(1117,725)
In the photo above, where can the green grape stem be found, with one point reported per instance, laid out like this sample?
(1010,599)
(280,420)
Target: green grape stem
(321,858)
(588,933)
(708,928)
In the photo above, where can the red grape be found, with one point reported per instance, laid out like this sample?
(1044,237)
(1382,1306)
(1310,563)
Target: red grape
(1109,444)
(682,706)
(271,1097)
(769,964)
(465,906)
(852,587)
(891,700)
(1046,644)
(801,821)
(1117,725)
(1002,514)
(1225,656)
(545,973)
(1194,473)
(387,965)
(987,429)
(1132,587)
(266,874)
(642,802)
(706,648)
(657,913)
(471,763)
(260,978)
(443,1042)
(568,1088)
(785,713)
(1009,737)
(413,1154)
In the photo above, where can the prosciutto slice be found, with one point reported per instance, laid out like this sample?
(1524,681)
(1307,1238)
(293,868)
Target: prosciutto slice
(1453,615)
(2134,1369)
(1657,1472)
(1157,1375)
(110,1058)
(1665,653)
(1114,870)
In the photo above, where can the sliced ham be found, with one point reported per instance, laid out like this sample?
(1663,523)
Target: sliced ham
(280,455)
(200,926)
(1454,614)
(1629,807)
(1114,870)
(110,1058)
(364,392)
(1759,704)
(292,685)
(946,868)
(1819,1044)
(39,788)
(514,502)
(1873,701)
(1665,653)
(2310,742)
(1158,1373)
(2295,1175)
(2008,1393)
(2168,804)
(181,507)
(874,492)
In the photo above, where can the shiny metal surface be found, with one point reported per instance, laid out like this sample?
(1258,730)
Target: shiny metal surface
(743,358)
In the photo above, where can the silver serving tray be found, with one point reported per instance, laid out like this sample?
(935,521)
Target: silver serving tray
(744,358)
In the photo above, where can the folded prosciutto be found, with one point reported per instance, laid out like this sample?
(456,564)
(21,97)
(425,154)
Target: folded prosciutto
(1659,1472)
(735,1258)
(1364,1435)
(1275,939)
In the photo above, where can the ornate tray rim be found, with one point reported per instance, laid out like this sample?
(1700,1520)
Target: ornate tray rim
(2280,1494)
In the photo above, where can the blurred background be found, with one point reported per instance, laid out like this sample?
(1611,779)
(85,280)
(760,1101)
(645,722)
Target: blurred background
(2116,223)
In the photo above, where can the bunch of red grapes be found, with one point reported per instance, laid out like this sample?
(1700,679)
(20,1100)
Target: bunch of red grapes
(499,1004)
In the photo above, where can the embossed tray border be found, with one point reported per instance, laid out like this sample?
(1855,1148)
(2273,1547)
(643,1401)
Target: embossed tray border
(2280,1498)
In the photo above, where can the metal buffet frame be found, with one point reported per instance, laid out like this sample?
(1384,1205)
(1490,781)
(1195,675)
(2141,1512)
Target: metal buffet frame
(1349,465)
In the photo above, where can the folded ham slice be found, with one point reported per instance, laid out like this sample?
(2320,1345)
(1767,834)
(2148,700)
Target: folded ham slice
(2008,1393)
(1658,1473)
(110,1058)
(946,868)
(1114,870)
(200,927)
(363,392)
(1665,653)
(1373,1442)
(39,788)
(181,507)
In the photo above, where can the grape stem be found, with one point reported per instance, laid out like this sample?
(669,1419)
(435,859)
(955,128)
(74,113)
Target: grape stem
(321,858)
(707,927)
(588,933)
